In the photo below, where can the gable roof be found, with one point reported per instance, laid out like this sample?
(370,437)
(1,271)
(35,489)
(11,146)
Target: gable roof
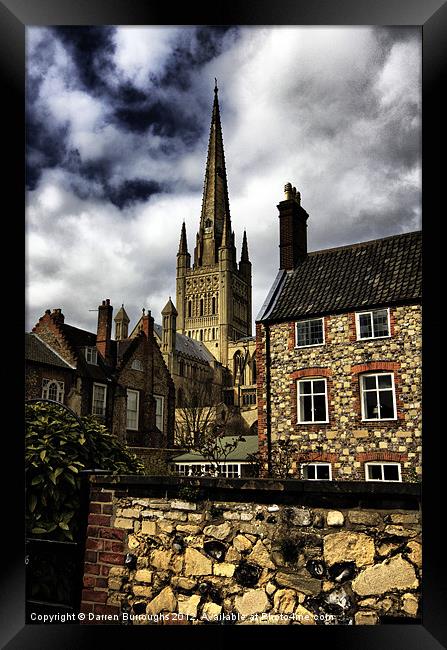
(368,274)
(38,351)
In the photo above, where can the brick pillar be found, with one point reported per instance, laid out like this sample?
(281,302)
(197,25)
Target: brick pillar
(104,549)
(148,325)
(104,331)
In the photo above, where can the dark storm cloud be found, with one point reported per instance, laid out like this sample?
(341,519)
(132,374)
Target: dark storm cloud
(117,131)
(91,49)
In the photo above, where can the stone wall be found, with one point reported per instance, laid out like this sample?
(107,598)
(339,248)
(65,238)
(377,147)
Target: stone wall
(197,551)
(346,441)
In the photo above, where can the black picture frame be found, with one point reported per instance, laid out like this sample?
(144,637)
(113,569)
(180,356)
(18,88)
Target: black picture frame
(431,15)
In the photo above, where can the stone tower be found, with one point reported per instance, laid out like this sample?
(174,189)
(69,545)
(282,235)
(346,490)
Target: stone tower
(214,295)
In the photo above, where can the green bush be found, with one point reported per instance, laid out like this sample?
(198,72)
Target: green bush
(56,450)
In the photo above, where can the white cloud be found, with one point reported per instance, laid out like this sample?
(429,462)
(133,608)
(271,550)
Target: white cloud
(328,109)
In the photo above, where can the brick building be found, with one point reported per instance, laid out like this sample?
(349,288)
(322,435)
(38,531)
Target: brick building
(124,383)
(339,356)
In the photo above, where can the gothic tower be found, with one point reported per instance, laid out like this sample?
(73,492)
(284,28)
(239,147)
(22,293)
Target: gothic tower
(214,295)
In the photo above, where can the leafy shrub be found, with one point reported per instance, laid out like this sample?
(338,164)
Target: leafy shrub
(57,448)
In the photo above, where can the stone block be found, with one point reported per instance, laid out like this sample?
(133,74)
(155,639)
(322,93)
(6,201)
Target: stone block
(197,564)
(165,601)
(253,601)
(300,582)
(261,556)
(161,559)
(364,518)
(120,522)
(224,569)
(348,547)
(219,532)
(149,528)
(183,505)
(143,575)
(188,606)
(366,618)
(390,575)
(211,611)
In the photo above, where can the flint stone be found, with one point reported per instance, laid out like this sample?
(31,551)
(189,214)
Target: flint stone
(253,601)
(164,601)
(347,546)
(335,518)
(197,564)
(390,575)
(299,582)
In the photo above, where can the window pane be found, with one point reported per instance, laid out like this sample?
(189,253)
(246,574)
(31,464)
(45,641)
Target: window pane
(306,408)
(380,320)
(370,402)
(309,471)
(319,386)
(52,391)
(310,332)
(386,404)
(323,472)
(319,408)
(369,382)
(384,381)
(305,387)
(390,472)
(375,472)
(131,400)
(365,325)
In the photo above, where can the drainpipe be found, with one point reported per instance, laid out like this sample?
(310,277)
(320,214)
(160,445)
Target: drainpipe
(268,401)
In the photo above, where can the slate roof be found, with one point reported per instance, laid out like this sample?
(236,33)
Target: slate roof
(36,350)
(368,274)
(248,446)
(188,346)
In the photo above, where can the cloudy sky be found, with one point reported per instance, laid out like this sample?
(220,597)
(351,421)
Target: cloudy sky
(117,131)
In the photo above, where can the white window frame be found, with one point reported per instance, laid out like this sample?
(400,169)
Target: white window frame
(95,385)
(186,469)
(382,463)
(304,466)
(60,389)
(311,345)
(298,406)
(91,355)
(363,390)
(160,397)
(131,428)
(371,312)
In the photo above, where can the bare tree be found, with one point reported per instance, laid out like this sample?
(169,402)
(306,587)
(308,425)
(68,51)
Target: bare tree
(208,428)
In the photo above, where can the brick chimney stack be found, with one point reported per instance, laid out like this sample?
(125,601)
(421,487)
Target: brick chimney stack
(148,324)
(104,332)
(292,229)
(57,316)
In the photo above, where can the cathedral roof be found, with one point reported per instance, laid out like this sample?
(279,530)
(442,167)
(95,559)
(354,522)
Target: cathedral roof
(188,346)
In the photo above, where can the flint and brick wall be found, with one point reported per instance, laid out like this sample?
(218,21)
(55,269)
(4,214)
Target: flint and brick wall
(347,438)
(197,551)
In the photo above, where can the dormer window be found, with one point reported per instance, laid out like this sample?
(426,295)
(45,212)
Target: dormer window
(91,356)
(374,324)
(137,365)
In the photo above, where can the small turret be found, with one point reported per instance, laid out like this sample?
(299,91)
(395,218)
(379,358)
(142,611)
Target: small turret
(169,326)
(122,321)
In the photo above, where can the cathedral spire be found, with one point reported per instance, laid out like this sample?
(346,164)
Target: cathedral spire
(215,203)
